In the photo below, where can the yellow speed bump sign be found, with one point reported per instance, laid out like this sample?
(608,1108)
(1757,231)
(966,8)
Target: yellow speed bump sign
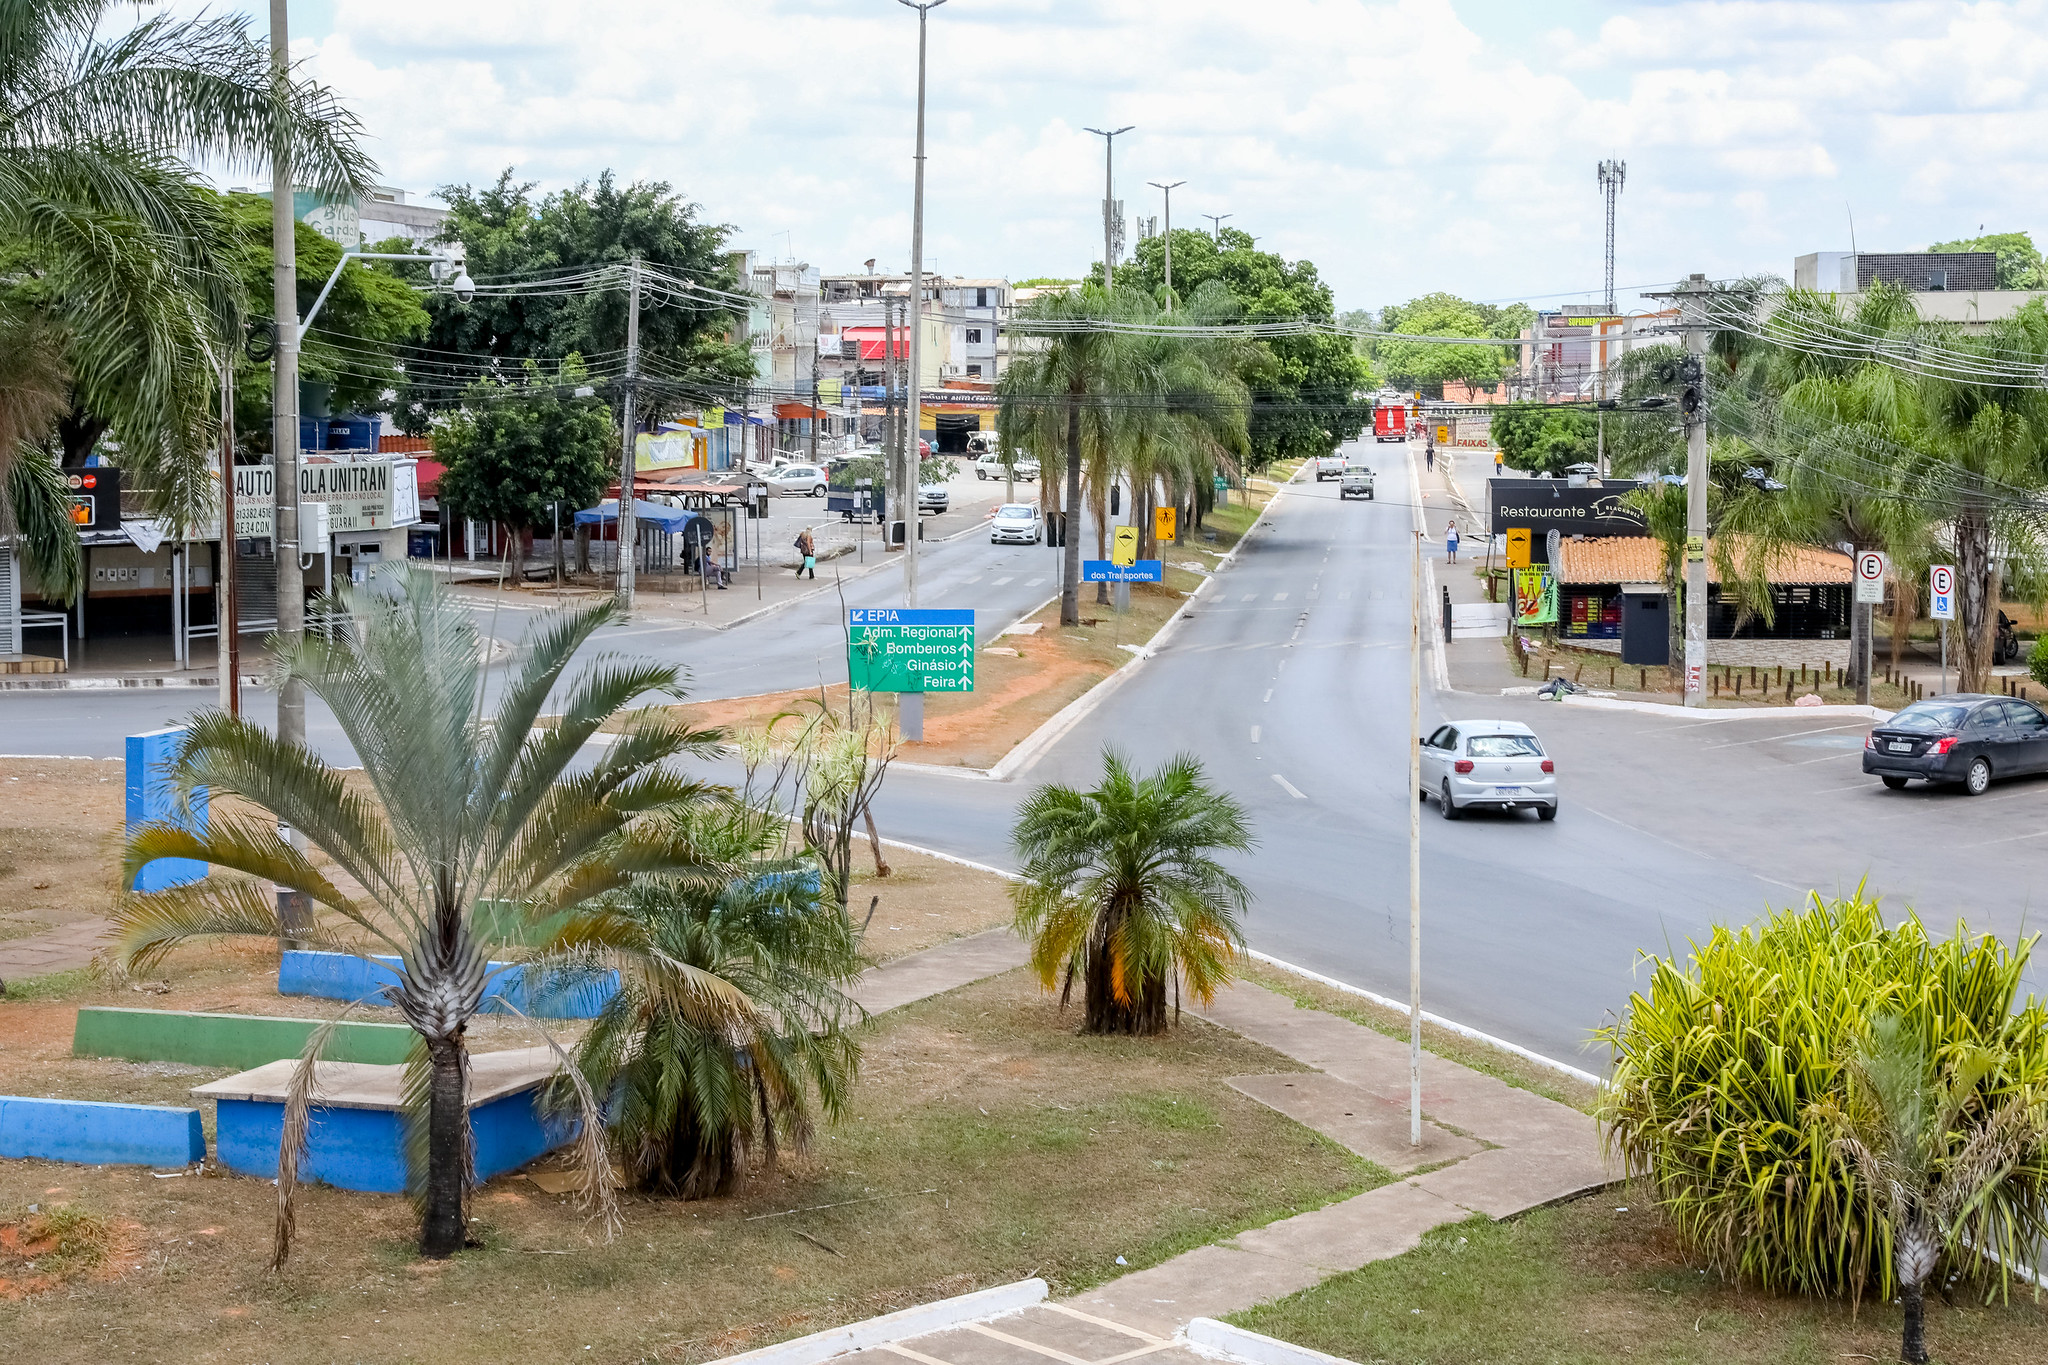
(1518,547)
(1162,522)
(1124,552)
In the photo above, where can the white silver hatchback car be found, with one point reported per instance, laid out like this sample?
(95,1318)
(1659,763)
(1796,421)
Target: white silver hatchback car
(1496,764)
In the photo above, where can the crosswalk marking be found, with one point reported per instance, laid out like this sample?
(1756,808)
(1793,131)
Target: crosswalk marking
(1033,582)
(1251,597)
(1000,581)
(1279,597)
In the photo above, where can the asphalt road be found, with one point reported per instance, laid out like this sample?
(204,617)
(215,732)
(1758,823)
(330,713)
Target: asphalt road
(1290,680)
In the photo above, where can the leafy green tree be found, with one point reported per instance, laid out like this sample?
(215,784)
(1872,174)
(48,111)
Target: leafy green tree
(2019,261)
(732,1013)
(1122,888)
(354,347)
(1416,364)
(509,234)
(465,808)
(517,451)
(106,231)
(1304,389)
(1544,440)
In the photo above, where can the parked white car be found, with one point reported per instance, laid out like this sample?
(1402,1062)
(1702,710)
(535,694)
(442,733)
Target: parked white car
(1499,764)
(1016,523)
(990,466)
(791,480)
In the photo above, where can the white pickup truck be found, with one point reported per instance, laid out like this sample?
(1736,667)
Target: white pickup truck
(1329,467)
(1356,482)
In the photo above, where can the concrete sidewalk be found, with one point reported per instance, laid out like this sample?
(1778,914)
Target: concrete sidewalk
(1487,1148)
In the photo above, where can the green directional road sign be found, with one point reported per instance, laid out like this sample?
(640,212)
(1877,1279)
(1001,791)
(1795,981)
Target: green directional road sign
(896,649)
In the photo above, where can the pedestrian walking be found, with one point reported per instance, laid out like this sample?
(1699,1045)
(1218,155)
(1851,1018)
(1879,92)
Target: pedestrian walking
(808,548)
(1429,455)
(1451,543)
(1496,464)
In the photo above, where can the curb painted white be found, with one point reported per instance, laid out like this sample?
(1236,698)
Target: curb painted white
(980,1306)
(1462,1030)
(61,683)
(1658,708)
(952,858)
(1221,1341)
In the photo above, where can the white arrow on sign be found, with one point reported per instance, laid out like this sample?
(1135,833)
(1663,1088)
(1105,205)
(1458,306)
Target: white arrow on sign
(1870,572)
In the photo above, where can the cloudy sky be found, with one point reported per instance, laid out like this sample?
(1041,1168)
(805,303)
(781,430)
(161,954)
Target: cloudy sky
(1404,146)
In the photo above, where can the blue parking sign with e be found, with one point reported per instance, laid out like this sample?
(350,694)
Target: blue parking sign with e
(1941,595)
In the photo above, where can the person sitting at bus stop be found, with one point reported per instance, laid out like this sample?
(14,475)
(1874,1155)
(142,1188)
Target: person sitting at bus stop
(808,548)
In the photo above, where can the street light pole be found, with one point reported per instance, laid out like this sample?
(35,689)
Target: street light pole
(284,421)
(627,531)
(1168,191)
(1109,137)
(914,417)
(1216,224)
(1415,846)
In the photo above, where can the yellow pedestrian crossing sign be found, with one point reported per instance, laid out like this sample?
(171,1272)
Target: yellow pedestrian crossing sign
(1162,523)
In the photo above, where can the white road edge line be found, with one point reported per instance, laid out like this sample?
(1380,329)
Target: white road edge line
(1255,734)
(1290,788)
(1453,1025)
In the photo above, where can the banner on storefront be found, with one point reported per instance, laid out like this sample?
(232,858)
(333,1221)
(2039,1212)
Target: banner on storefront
(1535,597)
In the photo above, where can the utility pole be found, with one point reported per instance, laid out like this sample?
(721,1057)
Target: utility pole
(1216,225)
(912,415)
(284,424)
(1695,416)
(1168,190)
(627,530)
(1109,213)
(228,619)
(1415,847)
(814,403)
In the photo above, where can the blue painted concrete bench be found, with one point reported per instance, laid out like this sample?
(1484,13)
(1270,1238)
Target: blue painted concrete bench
(356,1140)
(95,1134)
(564,993)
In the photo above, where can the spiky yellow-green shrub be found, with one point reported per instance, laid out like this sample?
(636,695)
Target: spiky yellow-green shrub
(1733,1077)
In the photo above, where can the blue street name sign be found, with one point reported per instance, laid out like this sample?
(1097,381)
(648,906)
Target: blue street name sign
(1102,571)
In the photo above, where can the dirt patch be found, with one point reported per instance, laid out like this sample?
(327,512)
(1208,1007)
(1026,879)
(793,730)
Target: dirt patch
(986,1141)
(60,841)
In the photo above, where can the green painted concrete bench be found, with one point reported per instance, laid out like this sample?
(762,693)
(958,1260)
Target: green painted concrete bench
(243,1041)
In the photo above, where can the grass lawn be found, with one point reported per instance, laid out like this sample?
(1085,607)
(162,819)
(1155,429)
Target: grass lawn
(987,1142)
(1589,1282)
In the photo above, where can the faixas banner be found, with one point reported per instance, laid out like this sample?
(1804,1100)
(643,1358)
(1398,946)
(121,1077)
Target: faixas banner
(1554,505)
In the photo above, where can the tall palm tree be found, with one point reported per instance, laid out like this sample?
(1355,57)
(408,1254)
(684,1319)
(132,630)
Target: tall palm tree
(732,1012)
(466,805)
(35,505)
(1121,888)
(1933,1147)
(108,231)
(1059,399)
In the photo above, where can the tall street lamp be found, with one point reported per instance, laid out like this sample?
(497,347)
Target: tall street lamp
(1216,224)
(907,488)
(1109,137)
(1168,190)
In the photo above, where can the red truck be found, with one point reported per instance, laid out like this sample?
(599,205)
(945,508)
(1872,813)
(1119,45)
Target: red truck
(1390,422)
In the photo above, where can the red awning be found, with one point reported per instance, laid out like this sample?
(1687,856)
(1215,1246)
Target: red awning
(430,472)
(797,412)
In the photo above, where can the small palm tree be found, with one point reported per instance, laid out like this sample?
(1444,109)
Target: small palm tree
(469,811)
(1122,889)
(732,1012)
(1933,1149)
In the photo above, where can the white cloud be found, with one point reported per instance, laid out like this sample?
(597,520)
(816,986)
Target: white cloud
(1401,147)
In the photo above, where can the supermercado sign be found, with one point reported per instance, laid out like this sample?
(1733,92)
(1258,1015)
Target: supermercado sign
(370,495)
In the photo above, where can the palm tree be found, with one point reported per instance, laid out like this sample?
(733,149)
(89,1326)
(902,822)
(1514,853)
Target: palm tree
(465,806)
(1933,1147)
(1122,889)
(110,234)
(732,1011)
(1058,399)
(35,505)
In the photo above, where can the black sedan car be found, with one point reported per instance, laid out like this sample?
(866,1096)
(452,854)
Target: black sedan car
(1964,737)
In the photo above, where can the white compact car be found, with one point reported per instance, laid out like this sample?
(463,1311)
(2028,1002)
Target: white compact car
(796,479)
(990,466)
(1016,523)
(1496,764)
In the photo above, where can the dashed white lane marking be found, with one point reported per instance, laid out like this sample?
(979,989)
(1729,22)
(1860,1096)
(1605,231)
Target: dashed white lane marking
(975,579)
(1249,597)
(1255,734)
(1000,581)
(1344,596)
(1279,597)
(1289,788)
(1033,582)
(1268,697)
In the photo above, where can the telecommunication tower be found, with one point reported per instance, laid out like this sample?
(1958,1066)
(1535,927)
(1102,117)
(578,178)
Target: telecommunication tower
(1612,173)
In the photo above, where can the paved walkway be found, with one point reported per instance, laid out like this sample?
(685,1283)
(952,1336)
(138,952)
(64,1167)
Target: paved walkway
(1487,1148)
(60,950)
